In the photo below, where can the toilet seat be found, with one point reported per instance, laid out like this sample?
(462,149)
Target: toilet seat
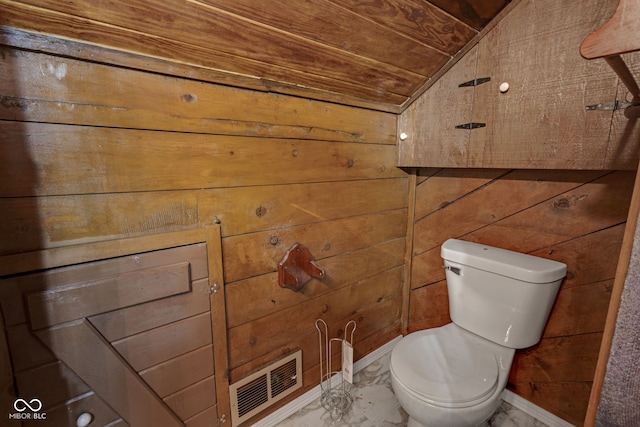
(446,366)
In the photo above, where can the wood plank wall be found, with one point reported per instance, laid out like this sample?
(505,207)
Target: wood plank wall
(92,152)
(576,217)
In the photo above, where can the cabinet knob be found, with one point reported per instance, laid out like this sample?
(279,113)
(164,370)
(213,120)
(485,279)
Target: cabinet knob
(403,136)
(84,419)
(504,86)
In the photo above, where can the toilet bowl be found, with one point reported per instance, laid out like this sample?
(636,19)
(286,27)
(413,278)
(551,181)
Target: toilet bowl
(499,301)
(448,376)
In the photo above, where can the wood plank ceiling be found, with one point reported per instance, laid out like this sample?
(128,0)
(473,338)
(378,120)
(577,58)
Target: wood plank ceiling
(358,52)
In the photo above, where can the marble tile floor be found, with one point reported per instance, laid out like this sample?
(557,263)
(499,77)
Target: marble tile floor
(375,405)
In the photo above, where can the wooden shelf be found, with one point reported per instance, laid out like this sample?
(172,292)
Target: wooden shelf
(619,35)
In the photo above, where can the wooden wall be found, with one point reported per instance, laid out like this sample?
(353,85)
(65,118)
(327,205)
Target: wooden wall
(94,152)
(576,217)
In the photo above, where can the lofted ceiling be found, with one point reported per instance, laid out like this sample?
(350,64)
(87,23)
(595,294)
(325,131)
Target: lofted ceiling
(373,53)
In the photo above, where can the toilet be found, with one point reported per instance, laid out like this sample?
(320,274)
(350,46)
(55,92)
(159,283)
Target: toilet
(499,301)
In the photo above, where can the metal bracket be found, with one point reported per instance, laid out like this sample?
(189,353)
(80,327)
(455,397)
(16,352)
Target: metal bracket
(475,82)
(610,106)
(471,125)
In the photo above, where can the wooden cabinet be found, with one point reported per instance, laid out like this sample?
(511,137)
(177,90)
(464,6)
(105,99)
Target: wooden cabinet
(429,123)
(127,340)
(541,121)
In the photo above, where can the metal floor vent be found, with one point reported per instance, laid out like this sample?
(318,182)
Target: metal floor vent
(265,387)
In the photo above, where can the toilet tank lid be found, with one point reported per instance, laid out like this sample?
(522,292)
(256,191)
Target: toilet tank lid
(512,264)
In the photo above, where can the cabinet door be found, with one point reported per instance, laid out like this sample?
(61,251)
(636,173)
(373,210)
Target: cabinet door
(541,121)
(128,340)
(432,139)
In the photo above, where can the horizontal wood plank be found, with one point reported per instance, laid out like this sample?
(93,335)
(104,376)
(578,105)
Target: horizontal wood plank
(194,399)
(589,257)
(263,335)
(65,415)
(128,321)
(48,222)
(330,24)
(503,198)
(417,19)
(88,350)
(375,325)
(133,160)
(76,301)
(168,377)
(206,418)
(54,383)
(259,296)
(13,288)
(237,44)
(30,223)
(258,253)
(560,359)
(166,342)
(448,185)
(26,350)
(79,92)
(74,254)
(251,209)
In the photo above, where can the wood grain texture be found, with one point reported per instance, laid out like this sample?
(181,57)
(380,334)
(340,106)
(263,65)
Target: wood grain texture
(179,324)
(133,160)
(359,209)
(430,121)
(374,55)
(259,253)
(206,36)
(579,218)
(89,402)
(541,121)
(263,335)
(267,299)
(127,321)
(76,301)
(548,104)
(617,36)
(331,24)
(193,399)
(417,19)
(114,376)
(76,92)
(158,345)
(175,374)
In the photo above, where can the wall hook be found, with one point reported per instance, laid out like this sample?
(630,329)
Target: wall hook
(297,267)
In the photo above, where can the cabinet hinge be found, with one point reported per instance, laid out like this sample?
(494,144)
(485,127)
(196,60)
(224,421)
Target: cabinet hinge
(475,82)
(472,125)
(617,105)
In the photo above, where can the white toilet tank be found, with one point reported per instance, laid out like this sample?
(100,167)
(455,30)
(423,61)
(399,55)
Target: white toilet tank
(500,295)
